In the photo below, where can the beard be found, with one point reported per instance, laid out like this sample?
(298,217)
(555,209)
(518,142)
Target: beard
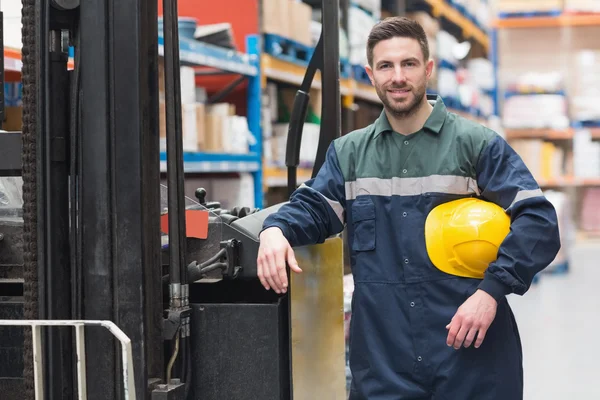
(405,108)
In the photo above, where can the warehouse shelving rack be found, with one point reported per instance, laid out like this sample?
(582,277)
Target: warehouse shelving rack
(534,21)
(575,187)
(199,54)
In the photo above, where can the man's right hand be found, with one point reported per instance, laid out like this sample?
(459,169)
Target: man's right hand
(273,253)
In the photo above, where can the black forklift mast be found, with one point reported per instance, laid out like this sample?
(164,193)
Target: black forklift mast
(91,240)
(91,187)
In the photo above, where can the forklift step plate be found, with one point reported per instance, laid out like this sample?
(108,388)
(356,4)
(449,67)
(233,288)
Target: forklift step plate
(317,323)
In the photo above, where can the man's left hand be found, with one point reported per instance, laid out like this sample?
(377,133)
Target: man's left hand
(474,317)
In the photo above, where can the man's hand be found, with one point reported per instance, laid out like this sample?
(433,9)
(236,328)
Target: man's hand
(273,253)
(474,317)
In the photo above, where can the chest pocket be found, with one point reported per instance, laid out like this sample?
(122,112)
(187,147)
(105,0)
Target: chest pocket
(363,220)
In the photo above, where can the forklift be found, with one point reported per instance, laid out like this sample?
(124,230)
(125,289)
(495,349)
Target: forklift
(96,300)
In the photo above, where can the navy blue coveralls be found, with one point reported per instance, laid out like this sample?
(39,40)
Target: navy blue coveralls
(381,185)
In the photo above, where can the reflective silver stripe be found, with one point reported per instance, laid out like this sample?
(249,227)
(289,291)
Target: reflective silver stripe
(449,184)
(526,194)
(336,206)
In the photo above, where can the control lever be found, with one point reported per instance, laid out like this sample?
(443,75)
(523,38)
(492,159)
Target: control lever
(227,260)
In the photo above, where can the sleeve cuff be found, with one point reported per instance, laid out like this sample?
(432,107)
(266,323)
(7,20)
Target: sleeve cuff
(494,287)
(282,226)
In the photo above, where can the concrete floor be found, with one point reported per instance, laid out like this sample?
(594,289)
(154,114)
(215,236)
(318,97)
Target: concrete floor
(559,321)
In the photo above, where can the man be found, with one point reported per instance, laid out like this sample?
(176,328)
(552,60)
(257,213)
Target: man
(417,332)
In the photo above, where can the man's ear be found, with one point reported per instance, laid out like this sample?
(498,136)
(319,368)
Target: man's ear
(429,68)
(370,73)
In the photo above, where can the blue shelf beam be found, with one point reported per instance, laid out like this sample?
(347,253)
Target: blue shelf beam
(199,162)
(192,52)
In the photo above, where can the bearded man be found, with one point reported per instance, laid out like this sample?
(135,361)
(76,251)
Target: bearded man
(418,331)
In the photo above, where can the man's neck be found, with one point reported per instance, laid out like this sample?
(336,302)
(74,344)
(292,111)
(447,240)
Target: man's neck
(412,123)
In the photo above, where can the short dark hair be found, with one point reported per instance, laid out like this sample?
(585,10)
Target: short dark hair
(397,27)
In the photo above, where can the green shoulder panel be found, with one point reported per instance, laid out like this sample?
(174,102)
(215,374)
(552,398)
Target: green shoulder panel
(454,150)
(352,147)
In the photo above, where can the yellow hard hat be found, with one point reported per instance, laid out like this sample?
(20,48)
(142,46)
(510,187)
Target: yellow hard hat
(463,236)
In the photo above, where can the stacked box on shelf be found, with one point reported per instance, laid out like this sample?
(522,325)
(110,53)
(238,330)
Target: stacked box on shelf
(210,128)
(585,92)
(478,11)
(360,23)
(563,206)
(372,7)
(586,155)
(590,217)
(277,108)
(509,8)
(289,19)
(535,111)
(581,6)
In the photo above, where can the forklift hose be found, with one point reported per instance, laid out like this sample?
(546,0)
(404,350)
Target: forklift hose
(196,271)
(173,357)
(221,253)
(212,267)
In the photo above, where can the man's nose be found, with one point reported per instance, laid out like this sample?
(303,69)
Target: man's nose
(399,76)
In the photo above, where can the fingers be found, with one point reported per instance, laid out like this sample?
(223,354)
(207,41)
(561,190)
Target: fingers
(271,271)
(460,336)
(291,259)
(260,271)
(460,328)
(271,266)
(480,336)
(454,327)
(277,267)
(463,332)
(470,337)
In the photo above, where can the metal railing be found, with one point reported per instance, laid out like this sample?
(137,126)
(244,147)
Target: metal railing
(79,325)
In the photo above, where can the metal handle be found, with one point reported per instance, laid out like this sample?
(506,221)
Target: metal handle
(38,366)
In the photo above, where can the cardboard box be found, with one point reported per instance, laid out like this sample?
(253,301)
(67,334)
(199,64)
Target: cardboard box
(189,128)
(216,125)
(516,6)
(300,15)
(201,125)
(213,134)
(187,77)
(13,119)
(193,121)
(275,17)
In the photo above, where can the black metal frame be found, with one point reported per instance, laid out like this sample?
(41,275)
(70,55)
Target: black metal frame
(119,188)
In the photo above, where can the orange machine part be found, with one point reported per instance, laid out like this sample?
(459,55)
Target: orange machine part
(196,223)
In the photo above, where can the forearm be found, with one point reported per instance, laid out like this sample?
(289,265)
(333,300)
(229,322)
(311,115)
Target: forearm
(306,219)
(531,245)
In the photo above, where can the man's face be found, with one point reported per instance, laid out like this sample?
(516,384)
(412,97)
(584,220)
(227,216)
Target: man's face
(400,74)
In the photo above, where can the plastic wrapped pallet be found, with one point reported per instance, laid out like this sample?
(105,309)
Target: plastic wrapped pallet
(566,226)
(582,6)
(585,91)
(371,6)
(589,216)
(586,155)
(524,6)
(536,111)
(360,23)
